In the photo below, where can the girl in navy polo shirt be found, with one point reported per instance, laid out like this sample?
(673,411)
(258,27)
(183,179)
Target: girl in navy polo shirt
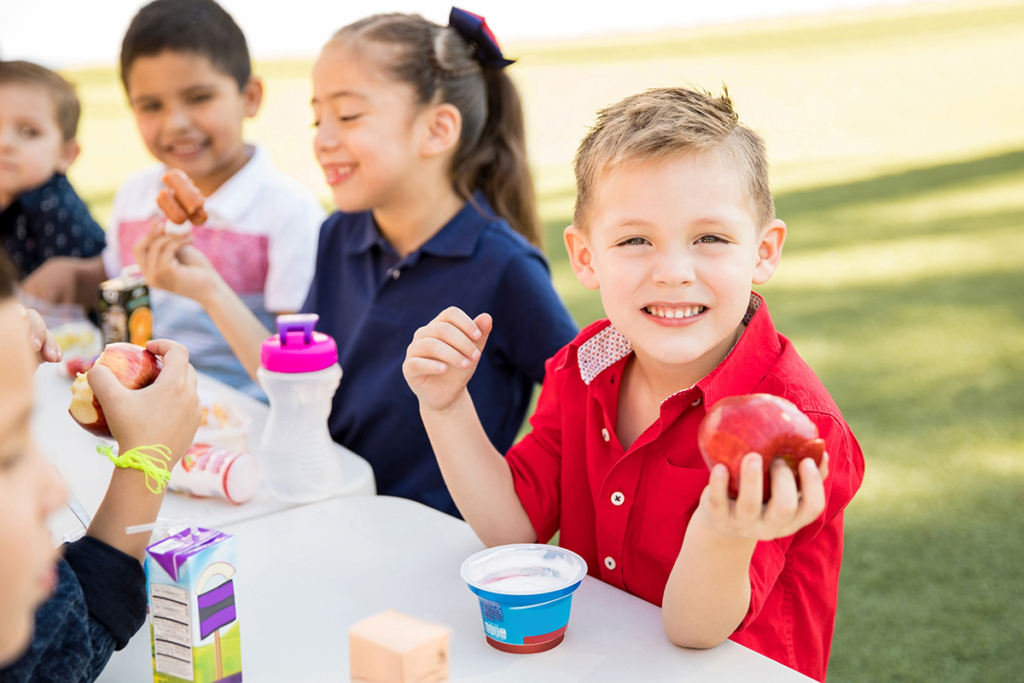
(420,135)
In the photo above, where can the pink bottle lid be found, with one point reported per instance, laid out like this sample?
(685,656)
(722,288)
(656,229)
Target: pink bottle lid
(296,347)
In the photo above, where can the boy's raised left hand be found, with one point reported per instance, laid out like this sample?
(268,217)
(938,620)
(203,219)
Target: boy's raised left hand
(785,513)
(444,355)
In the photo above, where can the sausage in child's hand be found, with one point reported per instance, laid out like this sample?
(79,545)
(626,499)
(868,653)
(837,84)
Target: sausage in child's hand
(190,197)
(198,217)
(171,208)
(187,195)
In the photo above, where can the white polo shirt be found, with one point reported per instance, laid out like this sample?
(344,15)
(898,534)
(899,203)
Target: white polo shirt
(261,237)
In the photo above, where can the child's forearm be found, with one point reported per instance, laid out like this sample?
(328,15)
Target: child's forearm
(242,330)
(477,476)
(128,502)
(708,591)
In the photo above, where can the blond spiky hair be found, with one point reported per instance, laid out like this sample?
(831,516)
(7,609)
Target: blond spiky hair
(664,122)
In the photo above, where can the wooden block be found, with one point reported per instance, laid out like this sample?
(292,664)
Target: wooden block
(392,647)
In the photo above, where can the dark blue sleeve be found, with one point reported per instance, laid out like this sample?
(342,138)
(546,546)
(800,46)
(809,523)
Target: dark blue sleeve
(534,322)
(99,604)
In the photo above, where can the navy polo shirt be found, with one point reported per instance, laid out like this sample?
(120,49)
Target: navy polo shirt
(48,221)
(372,302)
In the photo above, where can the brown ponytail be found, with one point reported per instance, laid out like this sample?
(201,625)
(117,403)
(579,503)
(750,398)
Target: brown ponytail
(439,64)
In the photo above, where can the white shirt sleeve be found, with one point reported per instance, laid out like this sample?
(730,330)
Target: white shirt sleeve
(293,232)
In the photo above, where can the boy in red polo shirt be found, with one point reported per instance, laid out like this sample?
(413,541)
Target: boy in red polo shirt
(674,222)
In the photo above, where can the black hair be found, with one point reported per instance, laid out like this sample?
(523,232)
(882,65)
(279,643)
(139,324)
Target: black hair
(200,27)
(438,63)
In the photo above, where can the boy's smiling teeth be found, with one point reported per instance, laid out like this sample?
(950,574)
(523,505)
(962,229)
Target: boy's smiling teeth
(674,311)
(186,147)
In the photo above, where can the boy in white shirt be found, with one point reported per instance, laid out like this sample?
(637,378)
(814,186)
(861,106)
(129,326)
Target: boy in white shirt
(186,69)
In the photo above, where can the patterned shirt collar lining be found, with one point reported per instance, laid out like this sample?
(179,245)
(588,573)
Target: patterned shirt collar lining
(609,346)
(600,352)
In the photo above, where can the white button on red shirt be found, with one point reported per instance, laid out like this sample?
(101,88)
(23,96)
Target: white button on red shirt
(605,435)
(618,498)
(609,562)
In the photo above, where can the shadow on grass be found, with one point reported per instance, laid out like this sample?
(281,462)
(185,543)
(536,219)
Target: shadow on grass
(827,230)
(900,185)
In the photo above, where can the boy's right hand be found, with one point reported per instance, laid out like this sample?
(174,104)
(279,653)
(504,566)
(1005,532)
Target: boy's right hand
(444,355)
(170,262)
(167,412)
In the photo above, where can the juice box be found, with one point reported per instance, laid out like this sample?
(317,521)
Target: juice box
(193,618)
(124,310)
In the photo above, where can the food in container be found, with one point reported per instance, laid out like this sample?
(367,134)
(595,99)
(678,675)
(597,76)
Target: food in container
(525,592)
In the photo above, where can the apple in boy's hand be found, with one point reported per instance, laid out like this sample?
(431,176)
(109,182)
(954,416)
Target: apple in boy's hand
(757,423)
(77,364)
(134,366)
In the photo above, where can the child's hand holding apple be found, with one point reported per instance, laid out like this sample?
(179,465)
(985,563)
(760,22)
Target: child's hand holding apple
(768,468)
(129,396)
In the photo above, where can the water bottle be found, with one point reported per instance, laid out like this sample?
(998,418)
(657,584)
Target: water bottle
(299,372)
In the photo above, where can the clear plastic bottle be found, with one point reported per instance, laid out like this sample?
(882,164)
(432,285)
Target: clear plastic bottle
(299,372)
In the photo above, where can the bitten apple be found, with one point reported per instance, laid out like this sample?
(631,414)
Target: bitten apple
(134,366)
(757,423)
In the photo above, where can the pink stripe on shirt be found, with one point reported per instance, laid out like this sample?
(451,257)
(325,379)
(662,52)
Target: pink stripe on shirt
(239,257)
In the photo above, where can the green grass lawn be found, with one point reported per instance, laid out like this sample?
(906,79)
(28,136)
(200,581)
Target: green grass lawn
(898,164)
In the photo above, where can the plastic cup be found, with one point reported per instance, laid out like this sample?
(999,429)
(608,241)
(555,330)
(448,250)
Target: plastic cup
(525,592)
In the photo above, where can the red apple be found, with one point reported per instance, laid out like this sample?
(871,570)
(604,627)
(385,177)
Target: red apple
(77,364)
(757,423)
(134,366)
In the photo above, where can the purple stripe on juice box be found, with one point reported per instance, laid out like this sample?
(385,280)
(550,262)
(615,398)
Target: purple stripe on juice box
(216,595)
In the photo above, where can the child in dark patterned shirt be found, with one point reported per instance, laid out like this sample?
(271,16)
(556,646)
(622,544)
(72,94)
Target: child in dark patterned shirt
(40,215)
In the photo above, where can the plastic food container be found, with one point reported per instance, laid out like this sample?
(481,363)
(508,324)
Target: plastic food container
(525,592)
(225,424)
(210,472)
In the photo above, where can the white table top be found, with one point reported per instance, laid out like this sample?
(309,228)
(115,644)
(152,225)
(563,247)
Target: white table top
(305,575)
(73,451)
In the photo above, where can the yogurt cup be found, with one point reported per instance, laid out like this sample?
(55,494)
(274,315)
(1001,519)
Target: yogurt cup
(525,592)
